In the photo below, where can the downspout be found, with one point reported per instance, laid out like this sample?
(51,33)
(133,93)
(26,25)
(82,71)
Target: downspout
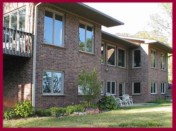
(34,54)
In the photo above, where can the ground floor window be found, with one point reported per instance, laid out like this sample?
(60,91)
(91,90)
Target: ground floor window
(53,83)
(163,88)
(111,87)
(121,89)
(136,88)
(153,88)
(102,87)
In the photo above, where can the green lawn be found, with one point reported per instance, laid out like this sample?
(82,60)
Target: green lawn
(149,115)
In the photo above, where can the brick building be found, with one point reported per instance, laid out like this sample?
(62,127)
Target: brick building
(46,45)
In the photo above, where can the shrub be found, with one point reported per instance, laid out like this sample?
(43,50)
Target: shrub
(70,110)
(23,109)
(79,108)
(57,111)
(9,114)
(42,112)
(107,103)
(74,108)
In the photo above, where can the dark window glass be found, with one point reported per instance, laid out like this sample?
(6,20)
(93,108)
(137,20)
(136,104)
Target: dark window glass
(121,58)
(113,87)
(109,87)
(137,58)
(153,58)
(137,88)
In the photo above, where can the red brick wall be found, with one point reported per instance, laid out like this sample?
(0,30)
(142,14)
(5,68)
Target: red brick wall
(17,80)
(115,73)
(157,74)
(67,59)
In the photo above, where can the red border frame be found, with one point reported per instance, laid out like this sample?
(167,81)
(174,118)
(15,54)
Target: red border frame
(174,65)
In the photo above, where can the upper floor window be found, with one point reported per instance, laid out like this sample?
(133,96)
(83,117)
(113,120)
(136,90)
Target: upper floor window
(163,61)
(53,83)
(163,88)
(153,58)
(111,55)
(86,37)
(136,88)
(102,53)
(121,58)
(53,28)
(136,58)
(153,88)
(15,20)
(111,87)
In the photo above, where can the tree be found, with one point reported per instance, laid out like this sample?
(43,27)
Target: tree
(162,24)
(90,85)
(152,35)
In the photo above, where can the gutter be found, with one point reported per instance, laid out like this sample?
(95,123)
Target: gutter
(34,54)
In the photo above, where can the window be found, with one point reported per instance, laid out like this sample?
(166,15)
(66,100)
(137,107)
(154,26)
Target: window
(153,58)
(53,28)
(121,89)
(111,55)
(153,88)
(121,57)
(136,88)
(136,58)
(163,61)
(15,20)
(102,87)
(6,21)
(22,14)
(111,88)
(163,88)
(53,83)
(86,38)
(102,53)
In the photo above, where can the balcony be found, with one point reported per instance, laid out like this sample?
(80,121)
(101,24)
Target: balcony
(17,43)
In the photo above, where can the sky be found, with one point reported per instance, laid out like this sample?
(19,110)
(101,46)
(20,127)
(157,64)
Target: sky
(135,16)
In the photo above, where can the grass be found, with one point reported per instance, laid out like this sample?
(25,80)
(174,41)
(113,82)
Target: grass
(148,115)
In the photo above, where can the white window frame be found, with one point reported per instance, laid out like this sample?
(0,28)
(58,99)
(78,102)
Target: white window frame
(109,45)
(124,57)
(16,11)
(111,87)
(104,52)
(163,68)
(163,87)
(133,88)
(133,59)
(156,88)
(93,42)
(153,50)
(63,25)
(54,94)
